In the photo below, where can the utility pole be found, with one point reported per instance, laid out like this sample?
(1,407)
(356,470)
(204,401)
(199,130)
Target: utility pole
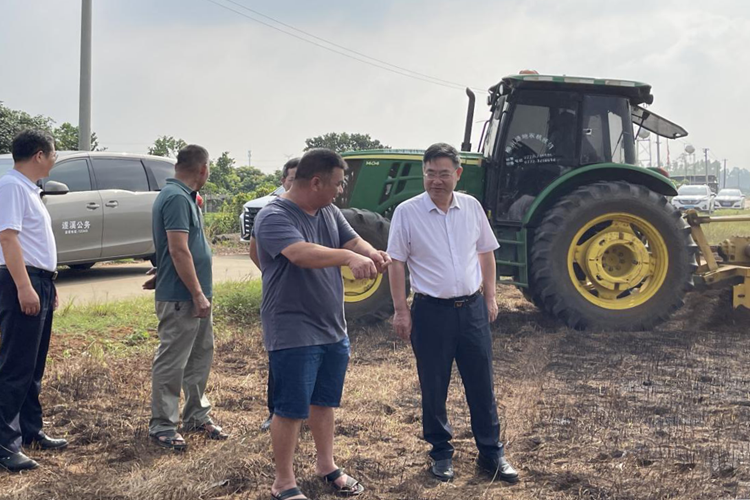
(705,154)
(725,172)
(249,158)
(658,152)
(84,99)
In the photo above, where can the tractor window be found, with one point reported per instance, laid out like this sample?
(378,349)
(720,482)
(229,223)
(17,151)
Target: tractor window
(607,133)
(541,134)
(490,141)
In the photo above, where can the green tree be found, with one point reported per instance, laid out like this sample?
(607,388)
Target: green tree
(251,177)
(13,121)
(223,174)
(167,145)
(66,138)
(344,142)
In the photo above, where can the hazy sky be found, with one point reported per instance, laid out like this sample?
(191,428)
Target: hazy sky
(195,70)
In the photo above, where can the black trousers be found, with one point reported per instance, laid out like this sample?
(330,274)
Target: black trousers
(442,333)
(24,342)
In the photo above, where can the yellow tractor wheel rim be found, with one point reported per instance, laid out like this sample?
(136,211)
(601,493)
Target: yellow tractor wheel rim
(618,261)
(358,290)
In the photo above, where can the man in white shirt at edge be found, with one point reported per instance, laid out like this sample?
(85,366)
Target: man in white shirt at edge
(447,242)
(28,260)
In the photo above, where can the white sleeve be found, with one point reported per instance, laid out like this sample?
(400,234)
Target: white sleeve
(398,237)
(487,242)
(14,203)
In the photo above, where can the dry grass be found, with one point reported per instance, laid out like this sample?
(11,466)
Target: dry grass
(651,415)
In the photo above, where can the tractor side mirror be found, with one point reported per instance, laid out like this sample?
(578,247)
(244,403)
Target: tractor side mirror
(54,188)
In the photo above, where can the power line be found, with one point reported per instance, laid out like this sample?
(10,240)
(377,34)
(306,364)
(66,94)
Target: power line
(380,64)
(348,49)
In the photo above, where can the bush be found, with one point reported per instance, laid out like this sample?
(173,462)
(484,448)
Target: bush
(227,220)
(238,303)
(221,223)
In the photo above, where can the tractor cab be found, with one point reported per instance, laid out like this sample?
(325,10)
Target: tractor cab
(542,128)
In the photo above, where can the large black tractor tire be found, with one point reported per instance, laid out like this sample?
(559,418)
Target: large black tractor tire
(368,301)
(612,256)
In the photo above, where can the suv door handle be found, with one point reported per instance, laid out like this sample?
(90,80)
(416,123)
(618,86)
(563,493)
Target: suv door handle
(92,206)
(111,204)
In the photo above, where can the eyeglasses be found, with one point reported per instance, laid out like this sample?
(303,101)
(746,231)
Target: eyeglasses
(54,157)
(443,176)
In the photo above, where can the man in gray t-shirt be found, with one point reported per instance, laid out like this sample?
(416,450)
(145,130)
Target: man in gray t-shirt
(301,306)
(303,240)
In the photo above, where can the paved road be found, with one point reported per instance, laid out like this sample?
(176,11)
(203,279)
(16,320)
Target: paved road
(104,283)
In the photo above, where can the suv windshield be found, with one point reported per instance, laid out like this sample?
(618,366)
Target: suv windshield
(692,191)
(730,192)
(5,165)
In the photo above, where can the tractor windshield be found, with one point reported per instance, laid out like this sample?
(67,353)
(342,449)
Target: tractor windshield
(607,131)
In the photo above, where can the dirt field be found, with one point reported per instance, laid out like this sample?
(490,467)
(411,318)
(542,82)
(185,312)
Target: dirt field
(656,415)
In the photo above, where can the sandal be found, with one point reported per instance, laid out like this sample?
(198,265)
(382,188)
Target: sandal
(291,492)
(170,440)
(352,488)
(212,431)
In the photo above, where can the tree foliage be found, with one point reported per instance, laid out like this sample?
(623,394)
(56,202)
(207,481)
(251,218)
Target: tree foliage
(344,142)
(167,145)
(66,138)
(13,121)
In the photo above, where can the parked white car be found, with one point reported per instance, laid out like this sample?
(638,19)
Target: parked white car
(700,197)
(251,209)
(101,207)
(730,198)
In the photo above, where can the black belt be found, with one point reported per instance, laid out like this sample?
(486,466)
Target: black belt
(42,273)
(452,302)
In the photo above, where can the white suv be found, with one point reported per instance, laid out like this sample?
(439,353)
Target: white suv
(699,197)
(102,204)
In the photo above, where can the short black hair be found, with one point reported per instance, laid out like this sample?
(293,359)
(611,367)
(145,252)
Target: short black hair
(293,163)
(191,157)
(442,150)
(30,141)
(320,162)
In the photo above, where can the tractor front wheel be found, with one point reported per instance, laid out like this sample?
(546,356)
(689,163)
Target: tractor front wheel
(612,256)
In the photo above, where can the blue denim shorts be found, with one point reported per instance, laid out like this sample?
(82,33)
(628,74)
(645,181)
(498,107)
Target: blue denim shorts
(310,375)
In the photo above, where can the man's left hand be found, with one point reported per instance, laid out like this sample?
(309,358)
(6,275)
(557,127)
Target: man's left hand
(491,308)
(56,304)
(381,259)
(150,284)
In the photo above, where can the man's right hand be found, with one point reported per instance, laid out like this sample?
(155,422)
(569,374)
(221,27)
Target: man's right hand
(29,301)
(201,306)
(362,267)
(402,324)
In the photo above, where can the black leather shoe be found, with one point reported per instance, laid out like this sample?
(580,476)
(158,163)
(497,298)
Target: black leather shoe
(442,469)
(16,462)
(498,467)
(44,442)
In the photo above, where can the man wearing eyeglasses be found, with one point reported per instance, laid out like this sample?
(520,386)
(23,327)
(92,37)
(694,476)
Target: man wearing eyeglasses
(28,263)
(445,239)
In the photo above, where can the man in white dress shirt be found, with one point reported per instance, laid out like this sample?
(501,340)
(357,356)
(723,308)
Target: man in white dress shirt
(28,260)
(445,239)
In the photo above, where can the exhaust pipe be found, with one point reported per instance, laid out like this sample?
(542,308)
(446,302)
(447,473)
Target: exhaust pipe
(466,146)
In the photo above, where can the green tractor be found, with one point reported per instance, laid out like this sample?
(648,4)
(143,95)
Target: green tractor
(585,233)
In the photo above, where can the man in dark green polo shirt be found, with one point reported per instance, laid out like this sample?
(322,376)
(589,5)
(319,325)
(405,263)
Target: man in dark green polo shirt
(183,306)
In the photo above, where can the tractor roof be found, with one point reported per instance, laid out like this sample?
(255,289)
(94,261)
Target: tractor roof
(411,154)
(637,92)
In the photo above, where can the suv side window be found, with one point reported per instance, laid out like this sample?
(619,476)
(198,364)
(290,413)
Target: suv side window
(126,174)
(73,173)
(161,170)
